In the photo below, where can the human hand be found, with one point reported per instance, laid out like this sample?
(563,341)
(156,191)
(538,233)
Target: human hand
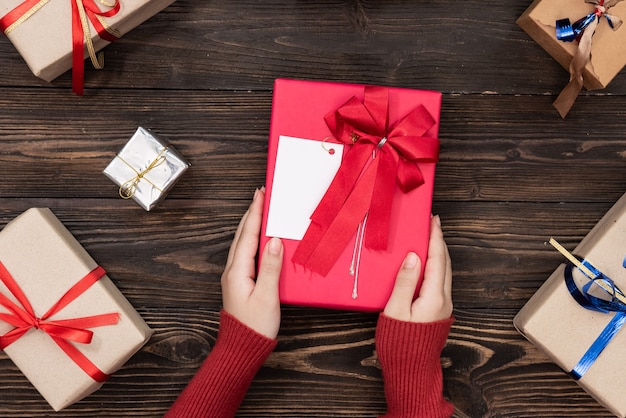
(254,303)
(434,302)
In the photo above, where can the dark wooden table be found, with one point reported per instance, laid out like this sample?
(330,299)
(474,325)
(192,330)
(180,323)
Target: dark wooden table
(512,174)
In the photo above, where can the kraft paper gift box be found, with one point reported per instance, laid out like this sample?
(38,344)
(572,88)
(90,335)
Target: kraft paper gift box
(45,262)
(44,39)
(304,157)
(608,51)
(564,330)
(608,46)
(146,168)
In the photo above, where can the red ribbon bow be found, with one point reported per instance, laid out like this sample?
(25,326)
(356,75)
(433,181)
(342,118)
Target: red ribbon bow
(62,331)
(83,12)
(366,180)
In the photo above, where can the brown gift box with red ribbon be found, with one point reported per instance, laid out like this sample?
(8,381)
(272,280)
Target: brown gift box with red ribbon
(62,321)
(608,46)
(377,207)
(47,32)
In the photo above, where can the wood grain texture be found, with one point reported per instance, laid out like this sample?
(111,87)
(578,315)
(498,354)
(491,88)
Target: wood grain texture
(511,175)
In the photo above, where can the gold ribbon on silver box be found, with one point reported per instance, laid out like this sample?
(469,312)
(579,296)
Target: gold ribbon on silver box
(146,168)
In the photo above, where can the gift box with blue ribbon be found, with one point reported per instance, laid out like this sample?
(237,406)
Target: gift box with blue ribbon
(576,317)
(584,36)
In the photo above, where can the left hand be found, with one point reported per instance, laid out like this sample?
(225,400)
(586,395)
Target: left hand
(254,303)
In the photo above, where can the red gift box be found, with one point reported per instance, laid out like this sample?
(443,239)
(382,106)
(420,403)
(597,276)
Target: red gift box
(299,109)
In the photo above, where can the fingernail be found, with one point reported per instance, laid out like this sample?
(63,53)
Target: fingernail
(438,220)
(274,246)
(410,261)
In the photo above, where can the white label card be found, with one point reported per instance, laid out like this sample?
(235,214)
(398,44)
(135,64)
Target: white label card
(304,170)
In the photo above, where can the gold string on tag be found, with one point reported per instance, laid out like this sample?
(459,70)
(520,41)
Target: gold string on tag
(128,188)
(586,271)
(331,150)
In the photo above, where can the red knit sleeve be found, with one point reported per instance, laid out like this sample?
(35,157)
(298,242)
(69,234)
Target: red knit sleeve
(409,355)
(223,379)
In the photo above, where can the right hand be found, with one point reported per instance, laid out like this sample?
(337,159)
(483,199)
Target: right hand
(434,302)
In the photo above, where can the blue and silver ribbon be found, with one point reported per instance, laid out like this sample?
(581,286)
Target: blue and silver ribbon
(615,302)
(596,304)
(568,32)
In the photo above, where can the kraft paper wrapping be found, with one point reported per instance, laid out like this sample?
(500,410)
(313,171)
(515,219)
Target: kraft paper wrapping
(46,260)
(608,51)
(45,39)
(556,324)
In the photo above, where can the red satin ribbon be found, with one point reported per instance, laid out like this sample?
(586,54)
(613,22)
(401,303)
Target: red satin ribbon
(92,12)
(62,331)
(365,182)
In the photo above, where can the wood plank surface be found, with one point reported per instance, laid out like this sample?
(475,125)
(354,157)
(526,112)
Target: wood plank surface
(512,173)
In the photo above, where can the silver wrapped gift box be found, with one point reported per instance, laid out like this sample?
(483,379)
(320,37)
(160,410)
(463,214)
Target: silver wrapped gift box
(146,168)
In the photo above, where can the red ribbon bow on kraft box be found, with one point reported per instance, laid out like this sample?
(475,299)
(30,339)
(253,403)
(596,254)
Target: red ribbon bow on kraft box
(88,328)
(50,46)
(376,207)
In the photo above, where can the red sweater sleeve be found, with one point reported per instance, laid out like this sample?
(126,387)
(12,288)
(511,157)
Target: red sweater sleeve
(409,355)
(223,379)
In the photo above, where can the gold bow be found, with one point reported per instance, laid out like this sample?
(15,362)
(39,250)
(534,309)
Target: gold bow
(128,188)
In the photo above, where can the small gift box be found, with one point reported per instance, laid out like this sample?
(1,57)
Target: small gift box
(575,317)
(62,321)
(591,47)
(349,188)
(54,36)
(146,168)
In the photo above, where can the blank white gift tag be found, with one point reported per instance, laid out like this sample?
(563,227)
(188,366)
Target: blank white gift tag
(304,170)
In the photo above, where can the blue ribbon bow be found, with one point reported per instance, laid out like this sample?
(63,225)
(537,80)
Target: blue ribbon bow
(596,304)
(567,32)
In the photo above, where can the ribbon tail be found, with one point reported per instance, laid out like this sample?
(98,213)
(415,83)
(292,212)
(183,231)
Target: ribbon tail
(25,313)
(13,319)
(379,220)
(312,237)
(78,48)
(77,329)
(12,336)
(598,345)
(568,95)
(614,21)
(81,360)
(343,183)
(322,245)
